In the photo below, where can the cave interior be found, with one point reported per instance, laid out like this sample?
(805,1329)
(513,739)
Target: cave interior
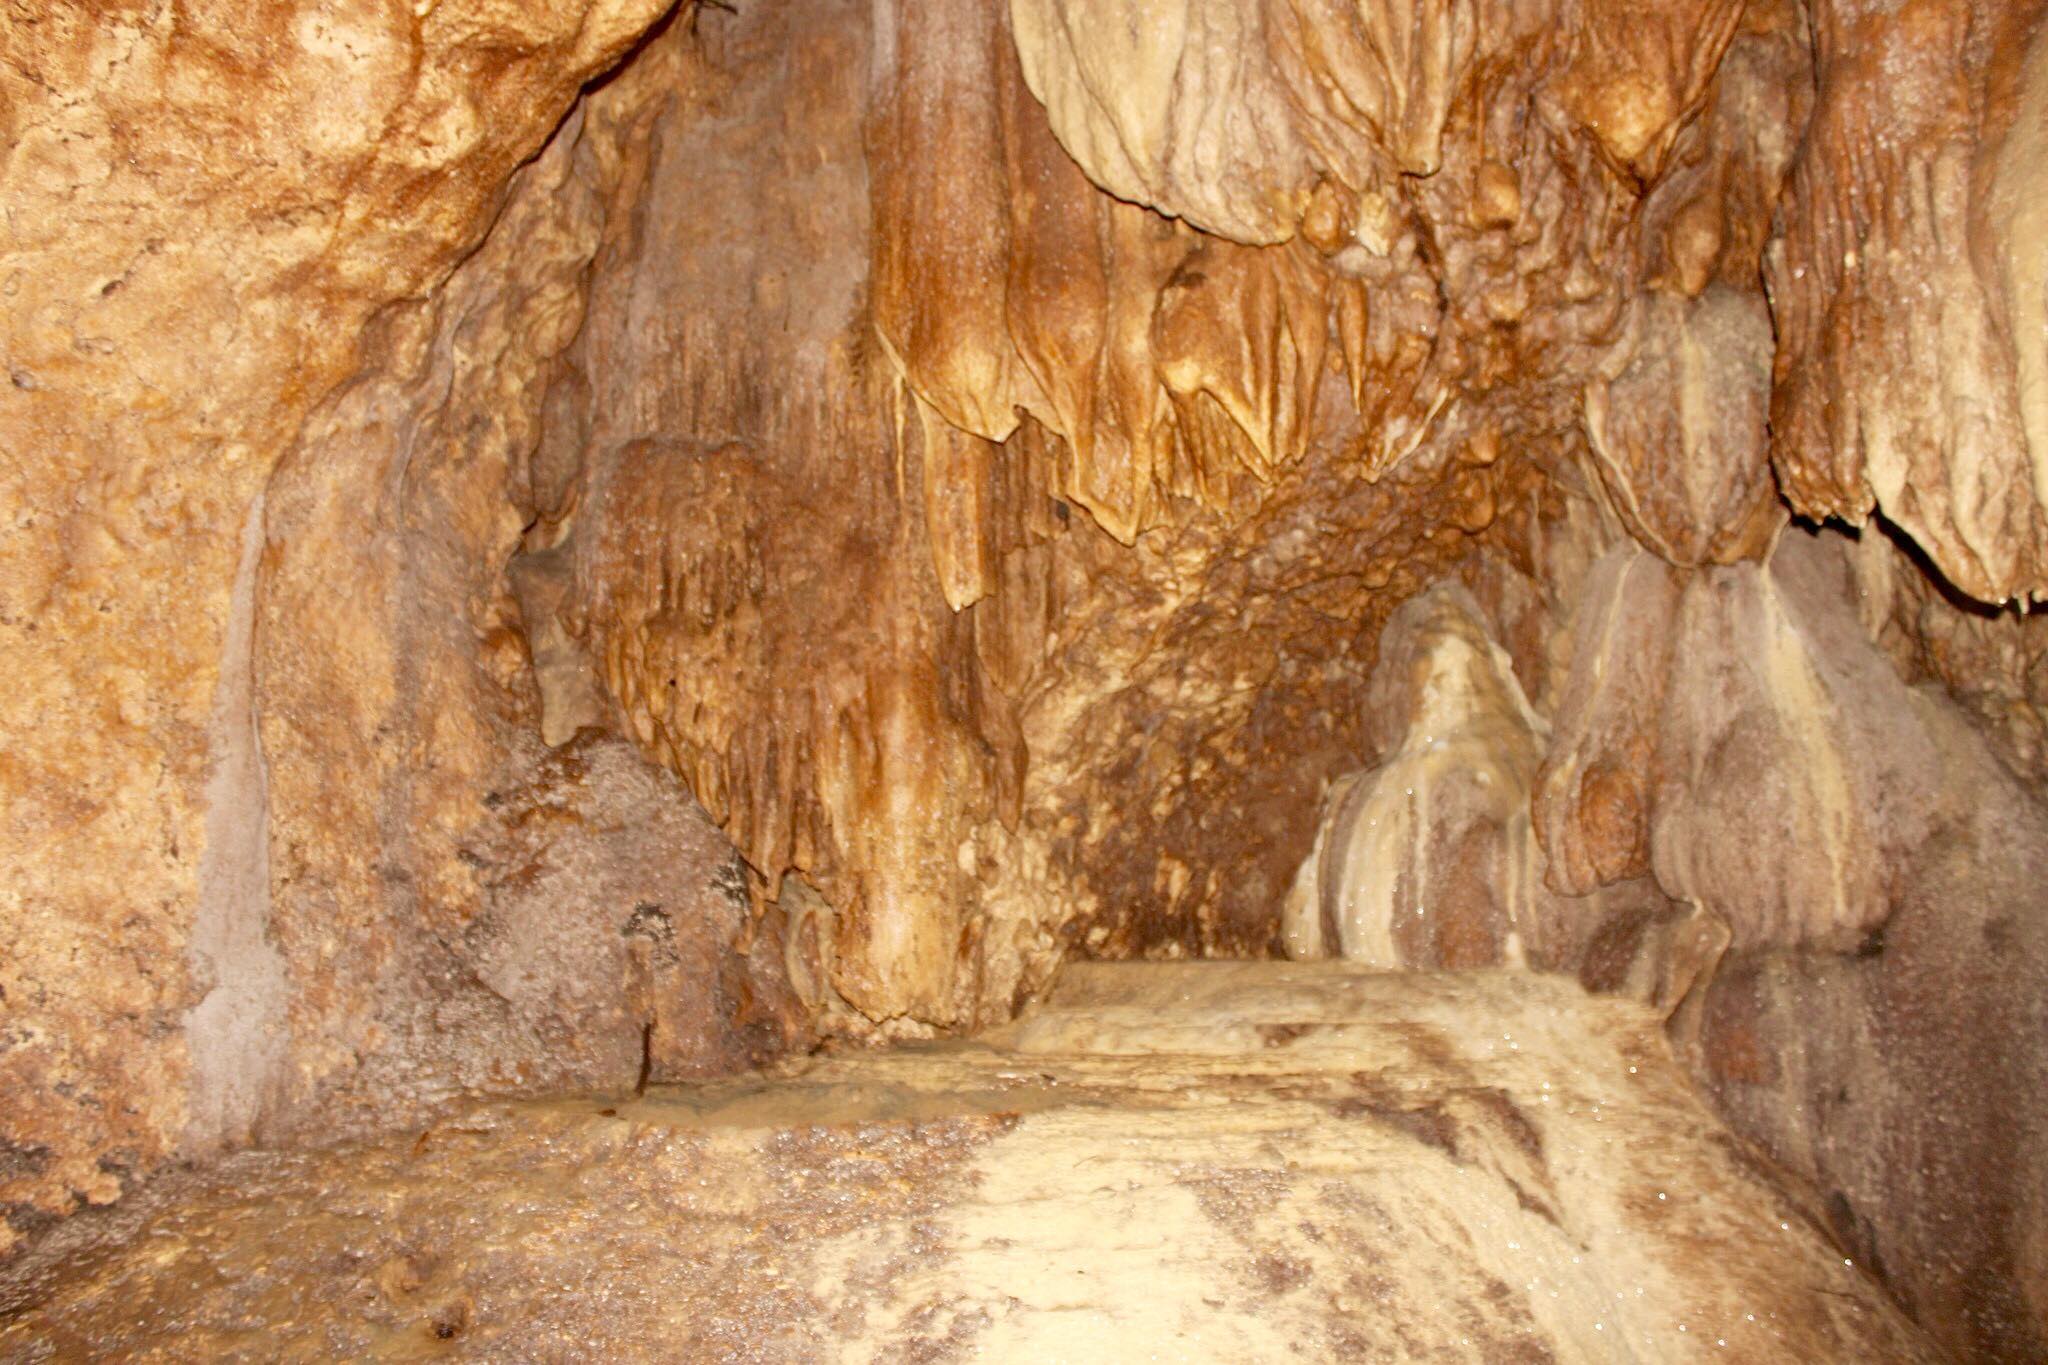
(1024,680)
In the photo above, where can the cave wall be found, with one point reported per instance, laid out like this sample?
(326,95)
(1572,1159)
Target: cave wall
(1908,288)
(453,903)
(214,222)
(1169,484)
(974,451)
(1730,803)
(196,237)
(1907,1075)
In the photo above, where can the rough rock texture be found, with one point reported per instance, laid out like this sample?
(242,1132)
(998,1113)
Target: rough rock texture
(975,450)
(1678,434)
(886,652)
(229,710)
(1993,660)
(420,828)
(1748,819)
(1748,754)
(1428,856)
(1215,1161)
(196,235)
(1237,116)
(1909,1076)
(1428,859)
(1910,285)
(1111,509)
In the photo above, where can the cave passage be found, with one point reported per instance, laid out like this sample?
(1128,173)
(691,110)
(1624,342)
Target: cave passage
(1054,679)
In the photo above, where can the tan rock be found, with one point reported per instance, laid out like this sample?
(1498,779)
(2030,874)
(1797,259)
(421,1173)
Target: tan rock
(1679,434)
(1910,320)
(997,544)
(1250,1161)
(1750,746)
(1427,858)
(205,208)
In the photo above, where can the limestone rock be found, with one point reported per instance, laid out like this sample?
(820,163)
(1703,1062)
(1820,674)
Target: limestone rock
(1745,747)
(977,451)
(1736,733)
(1290,439)
(907,663)
(1593,797)
(1245,1161)
(1679,434)
(1866,1071)
(1995,662)
(205,207)
(1908,288)
(1427,858)
(1241,117)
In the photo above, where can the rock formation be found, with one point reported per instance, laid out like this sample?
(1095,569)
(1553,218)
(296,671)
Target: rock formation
(1429,857)
(1247,1193)
(558,546)
(205,212)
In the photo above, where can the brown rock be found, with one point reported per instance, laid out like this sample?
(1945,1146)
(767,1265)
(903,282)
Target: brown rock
(205,209)
(1753,749)
(1256,1138)
(1678,434)
(1426,859)
(1908,318)
(1798,792)
(971,456)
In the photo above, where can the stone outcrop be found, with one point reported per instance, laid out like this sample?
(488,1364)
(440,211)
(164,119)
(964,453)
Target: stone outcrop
(1872,1070)
(452,906)
(1428,857)
(1908,287)
(1747,753)
(205,209)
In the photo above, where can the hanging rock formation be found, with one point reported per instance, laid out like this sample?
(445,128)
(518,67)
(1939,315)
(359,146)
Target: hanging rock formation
(1678,437)
(1288,431)
(1752,760)
(1742,812)
(1910,286)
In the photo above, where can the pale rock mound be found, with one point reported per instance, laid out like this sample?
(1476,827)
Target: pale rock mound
(1245,1161)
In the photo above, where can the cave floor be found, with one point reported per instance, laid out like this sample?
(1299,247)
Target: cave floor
(1202,1162)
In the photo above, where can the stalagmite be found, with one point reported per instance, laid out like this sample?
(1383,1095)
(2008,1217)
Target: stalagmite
(1427,858)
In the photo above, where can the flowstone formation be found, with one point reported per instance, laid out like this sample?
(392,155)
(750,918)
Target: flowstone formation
(1101,619)
(1227,1161)
(1732,808)
(565,545)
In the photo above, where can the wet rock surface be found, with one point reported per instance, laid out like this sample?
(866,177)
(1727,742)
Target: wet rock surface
(1253,1161)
